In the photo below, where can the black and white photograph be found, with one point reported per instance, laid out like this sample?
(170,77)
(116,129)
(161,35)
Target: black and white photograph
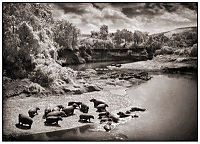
(99,71)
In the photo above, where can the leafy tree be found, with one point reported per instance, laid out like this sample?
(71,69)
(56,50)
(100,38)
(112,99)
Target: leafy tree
(123,36)
(139,37)
(65,34)
(104,32)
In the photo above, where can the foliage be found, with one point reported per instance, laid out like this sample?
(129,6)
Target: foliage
(65,34)
(104,32)
(184,39)
(123,36)
(140,37)
(31,39)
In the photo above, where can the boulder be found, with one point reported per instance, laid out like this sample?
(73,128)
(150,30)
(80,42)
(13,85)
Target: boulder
(91,87)
(194,51)
(158,52)
(35,88)
(166,50)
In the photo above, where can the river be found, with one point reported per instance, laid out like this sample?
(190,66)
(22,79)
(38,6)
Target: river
(171,114)
(81,67)
(171,103)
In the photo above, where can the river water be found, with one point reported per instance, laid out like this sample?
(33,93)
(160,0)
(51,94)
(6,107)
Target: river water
(171,114)
(85,66)
(171,103)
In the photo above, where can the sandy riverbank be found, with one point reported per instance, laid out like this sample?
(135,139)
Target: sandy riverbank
(161,63)
(13,106)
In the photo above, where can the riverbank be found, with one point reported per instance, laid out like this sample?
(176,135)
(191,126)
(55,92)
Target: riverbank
(15,105)
(113,84)
(162,63)
(158,100)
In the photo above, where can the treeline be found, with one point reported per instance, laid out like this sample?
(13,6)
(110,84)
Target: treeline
(32,37)
(34,42)
(162,43)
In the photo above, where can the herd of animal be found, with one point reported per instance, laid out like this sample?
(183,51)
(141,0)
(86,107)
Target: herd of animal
(53,115)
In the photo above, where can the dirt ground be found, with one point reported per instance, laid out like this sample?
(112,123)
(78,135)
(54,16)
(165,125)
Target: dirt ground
(12,107)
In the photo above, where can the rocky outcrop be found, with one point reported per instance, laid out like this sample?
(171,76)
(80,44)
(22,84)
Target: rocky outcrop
(91,87)
(164,51)
(194,51)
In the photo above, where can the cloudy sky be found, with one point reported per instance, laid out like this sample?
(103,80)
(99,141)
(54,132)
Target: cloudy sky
(148,17)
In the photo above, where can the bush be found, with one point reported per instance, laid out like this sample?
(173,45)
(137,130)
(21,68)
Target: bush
(42,78)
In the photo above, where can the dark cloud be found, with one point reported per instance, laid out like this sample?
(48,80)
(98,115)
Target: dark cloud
(191,6)
(100,6)
(78,8)
(129,9)
(152,9)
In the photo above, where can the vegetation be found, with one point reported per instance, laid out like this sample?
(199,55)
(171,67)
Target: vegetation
(35,43)
(31,41)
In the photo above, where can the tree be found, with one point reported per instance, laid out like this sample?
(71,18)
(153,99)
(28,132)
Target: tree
(117,38)
(104,32)
(139,37)
(65,34)
(94,34)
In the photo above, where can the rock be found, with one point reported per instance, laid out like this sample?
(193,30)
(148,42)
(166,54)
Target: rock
(86,74)
(181,59)
(194,51)
(182,52)
(91,87)
(73,90)
(90,71)
(158,52)
(143,76)
(35,88)
(166,50)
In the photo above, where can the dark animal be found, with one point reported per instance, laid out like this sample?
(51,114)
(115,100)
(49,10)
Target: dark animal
(33,111)
(69,110)
(96,102)
(113,64)
(53,120)
(123,115)
(135,116)
(108,127)
(103,114)
(86,117)
(114,119)
(118,65)
(137,109)
(101,107)
(23,119)
(78,103)
(56,113)
(105,120)
(84,108)
(58,108)
(46,111)
(128,112)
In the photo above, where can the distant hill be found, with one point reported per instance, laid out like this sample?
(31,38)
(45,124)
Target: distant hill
(178,30)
